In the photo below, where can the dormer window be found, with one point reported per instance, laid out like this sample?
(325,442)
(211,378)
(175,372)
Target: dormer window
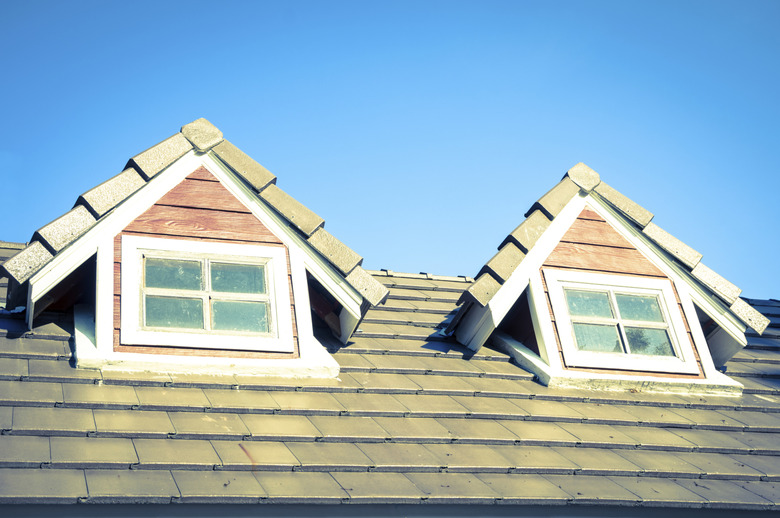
(204,294)
(619,322)
(614,321)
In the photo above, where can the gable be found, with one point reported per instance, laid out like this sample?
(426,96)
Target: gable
(199,208)
(584,235)
(592,244)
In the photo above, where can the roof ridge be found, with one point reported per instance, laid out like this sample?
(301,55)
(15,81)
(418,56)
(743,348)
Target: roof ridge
(582,179)
(201,137)
(422,275)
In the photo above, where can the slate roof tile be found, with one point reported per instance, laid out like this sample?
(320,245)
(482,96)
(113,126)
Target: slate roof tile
(213,487)
(176,454)
(130,486)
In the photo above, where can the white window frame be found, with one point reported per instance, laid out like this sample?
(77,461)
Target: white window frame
(133,331)
(684,360)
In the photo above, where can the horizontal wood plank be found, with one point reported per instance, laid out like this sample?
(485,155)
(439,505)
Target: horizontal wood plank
(198,223)
(588,213)
(202,174)
(592,232)
(202,195)
(602,259)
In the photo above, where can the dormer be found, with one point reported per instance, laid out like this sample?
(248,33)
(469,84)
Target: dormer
(589,292)
(193,259)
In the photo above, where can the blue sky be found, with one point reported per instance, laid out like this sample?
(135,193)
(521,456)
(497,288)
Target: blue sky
(420,131)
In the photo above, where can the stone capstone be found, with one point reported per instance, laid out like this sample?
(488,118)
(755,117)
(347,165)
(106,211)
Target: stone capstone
(339,254)
(202,134)
(292,210)
(528,232)
(483,289)
(23,265)
(628,207)
(101,199)
(371,289)
(503,264)
(157,158)
(553,202)
(720,286)
(746,313)
(253,173)
(584,177)
(65,229)
(684,253)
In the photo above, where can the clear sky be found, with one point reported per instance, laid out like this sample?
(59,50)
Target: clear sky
(421,131)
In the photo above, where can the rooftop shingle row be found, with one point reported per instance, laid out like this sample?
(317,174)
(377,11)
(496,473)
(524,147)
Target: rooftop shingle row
(409,420)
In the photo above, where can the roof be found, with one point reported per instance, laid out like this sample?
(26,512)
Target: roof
(413,418)
(582,179)
(199,137)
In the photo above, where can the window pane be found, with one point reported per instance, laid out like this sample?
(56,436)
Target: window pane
(238,278)
(228,315)
(588,304)
(596,337)
(173,274)
(639,307)
(653,342)
(174,312)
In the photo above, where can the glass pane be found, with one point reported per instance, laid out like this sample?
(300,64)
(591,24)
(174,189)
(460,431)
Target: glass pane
(653,342)
(174,312)
(639,307)
(228,315)
(173,274)
(588,303)
(238,278)
(596,337)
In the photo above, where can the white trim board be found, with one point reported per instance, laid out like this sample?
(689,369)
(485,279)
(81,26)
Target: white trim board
(133,331)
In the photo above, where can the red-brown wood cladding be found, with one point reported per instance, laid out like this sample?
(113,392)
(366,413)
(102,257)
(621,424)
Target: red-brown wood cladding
(199,208)
(591,244)
(202,195)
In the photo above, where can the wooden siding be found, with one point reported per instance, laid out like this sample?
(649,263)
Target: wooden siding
(200,208)
(592,245)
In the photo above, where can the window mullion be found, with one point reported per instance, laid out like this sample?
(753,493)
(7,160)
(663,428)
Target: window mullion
(619,320)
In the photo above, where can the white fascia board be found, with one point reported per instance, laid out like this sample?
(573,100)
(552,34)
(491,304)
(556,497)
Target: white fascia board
(664,262)
(320,268)
(107,227)
(543,328)
(476,327)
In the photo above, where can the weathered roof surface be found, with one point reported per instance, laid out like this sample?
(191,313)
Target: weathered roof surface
(203,137)
(413,418)
(7,250)
(582,178)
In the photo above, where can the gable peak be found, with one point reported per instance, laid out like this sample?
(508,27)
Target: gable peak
(586,178)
